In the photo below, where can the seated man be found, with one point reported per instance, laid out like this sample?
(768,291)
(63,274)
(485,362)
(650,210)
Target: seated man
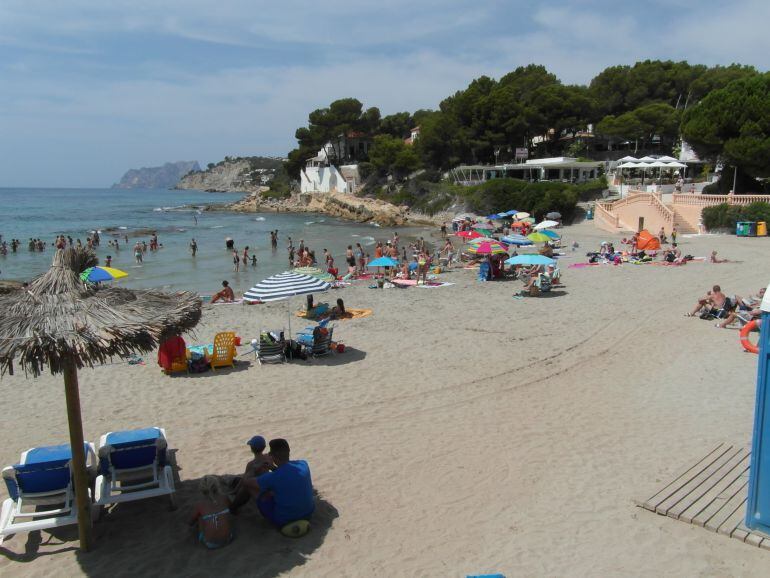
(284,495)
(712,299)
(747,309)
(226,295)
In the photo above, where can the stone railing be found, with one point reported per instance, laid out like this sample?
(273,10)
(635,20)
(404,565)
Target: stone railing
(711,200)
(604,216)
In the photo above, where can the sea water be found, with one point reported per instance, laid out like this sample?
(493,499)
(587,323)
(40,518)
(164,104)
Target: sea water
(177,217)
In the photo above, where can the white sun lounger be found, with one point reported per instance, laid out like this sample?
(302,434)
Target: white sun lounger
(41,490)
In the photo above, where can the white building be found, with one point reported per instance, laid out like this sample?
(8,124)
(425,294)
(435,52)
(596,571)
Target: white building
(320,176)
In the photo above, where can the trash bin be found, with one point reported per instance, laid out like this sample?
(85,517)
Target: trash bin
(761,229)
(752,229)
(742,228)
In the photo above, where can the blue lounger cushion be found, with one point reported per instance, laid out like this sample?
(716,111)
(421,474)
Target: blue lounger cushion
(133,449)
(44,469)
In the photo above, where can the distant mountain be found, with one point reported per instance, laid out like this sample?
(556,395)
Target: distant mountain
(163,177)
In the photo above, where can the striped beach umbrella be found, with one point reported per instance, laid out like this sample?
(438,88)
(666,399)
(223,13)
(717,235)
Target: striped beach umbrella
(283,286)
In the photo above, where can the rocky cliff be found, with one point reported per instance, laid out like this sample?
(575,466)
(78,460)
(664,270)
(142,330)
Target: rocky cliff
(156,177)
(248,174)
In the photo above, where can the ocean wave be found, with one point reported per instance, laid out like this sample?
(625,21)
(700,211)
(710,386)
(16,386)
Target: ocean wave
(309,222)
(173,208)
(368,241)
(259,219)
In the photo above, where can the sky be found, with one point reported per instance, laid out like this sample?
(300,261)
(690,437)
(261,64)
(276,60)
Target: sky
(90,89)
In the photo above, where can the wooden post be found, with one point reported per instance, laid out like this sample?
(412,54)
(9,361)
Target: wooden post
(78,455)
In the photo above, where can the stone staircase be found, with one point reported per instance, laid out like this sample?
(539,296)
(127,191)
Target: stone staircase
(682,225)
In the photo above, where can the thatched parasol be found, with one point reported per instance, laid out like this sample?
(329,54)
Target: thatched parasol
(60,323)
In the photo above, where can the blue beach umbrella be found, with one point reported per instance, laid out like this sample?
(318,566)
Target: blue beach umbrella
(518,240)
(383,262)
(530,259)
(549,233)
(510,213)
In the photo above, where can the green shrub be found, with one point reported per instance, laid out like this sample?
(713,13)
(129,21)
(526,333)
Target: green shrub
(725,216)
(538,199)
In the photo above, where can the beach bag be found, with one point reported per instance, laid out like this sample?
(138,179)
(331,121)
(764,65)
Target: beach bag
(199,365)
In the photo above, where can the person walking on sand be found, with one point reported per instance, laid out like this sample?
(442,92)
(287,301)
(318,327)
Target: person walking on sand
(673,236)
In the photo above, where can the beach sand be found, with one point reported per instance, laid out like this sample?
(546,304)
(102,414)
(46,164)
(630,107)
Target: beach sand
(462,432)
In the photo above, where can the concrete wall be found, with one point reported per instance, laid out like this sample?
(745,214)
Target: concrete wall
(322,180)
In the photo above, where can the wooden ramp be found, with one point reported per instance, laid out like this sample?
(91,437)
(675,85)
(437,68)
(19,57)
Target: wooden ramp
(711,494)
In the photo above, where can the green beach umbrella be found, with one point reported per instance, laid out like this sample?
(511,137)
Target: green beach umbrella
(315,272)
(538,237)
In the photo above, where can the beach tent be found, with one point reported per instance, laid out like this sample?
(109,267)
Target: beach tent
(60,324)
(646,241)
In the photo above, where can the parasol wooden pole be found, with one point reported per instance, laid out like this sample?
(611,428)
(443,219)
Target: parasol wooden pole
(78,455)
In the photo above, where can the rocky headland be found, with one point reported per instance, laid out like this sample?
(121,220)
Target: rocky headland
(162,177)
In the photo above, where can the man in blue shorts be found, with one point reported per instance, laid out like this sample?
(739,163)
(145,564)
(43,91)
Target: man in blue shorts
(284,495)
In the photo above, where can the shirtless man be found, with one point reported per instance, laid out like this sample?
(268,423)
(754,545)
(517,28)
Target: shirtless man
(714,299)
(749,307)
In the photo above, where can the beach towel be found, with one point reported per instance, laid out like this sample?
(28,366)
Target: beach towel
(351,314)
(435,284)
(198,351)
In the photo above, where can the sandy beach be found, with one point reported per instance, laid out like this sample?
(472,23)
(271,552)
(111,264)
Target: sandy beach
(462,432)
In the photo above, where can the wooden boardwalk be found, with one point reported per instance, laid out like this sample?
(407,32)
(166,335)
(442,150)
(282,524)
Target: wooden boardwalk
(711,494)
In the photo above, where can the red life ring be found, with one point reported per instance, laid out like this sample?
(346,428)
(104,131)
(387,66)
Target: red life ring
(745,342)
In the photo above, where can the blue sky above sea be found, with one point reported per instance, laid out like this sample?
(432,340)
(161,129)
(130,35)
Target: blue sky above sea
(89,89)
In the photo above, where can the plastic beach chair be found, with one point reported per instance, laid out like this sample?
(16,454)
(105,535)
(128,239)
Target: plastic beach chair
(41,490)
(271,349)
(132,466)
(321,347)
(224,350)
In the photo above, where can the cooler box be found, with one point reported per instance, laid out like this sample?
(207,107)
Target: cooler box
(761,229)
(743,228)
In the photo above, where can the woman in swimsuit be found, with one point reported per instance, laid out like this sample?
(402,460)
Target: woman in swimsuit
(212,516)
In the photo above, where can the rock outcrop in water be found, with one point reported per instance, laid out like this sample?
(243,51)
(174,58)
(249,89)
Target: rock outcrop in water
(156,177)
